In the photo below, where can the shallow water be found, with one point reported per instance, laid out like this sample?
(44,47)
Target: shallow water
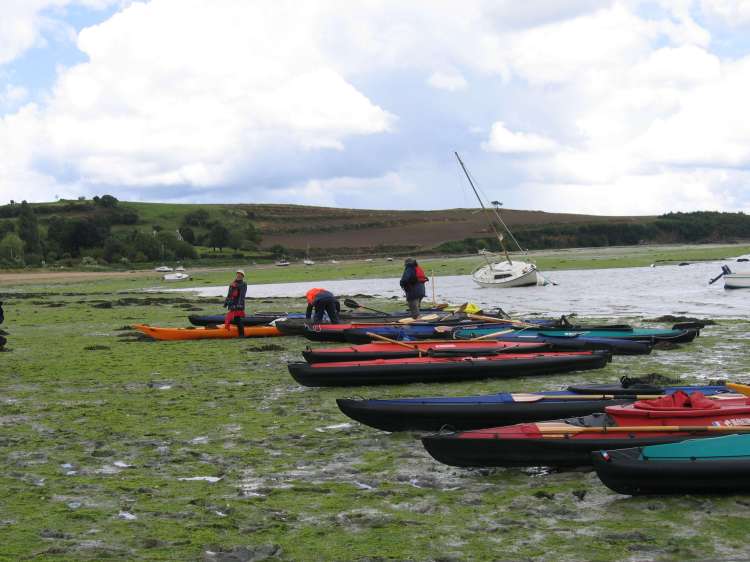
(635,291)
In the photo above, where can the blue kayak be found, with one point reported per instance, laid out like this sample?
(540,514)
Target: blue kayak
(505,408)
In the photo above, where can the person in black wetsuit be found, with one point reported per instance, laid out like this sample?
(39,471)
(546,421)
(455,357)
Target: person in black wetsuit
(412,282)
(323,302)
(3,341)
(235,303)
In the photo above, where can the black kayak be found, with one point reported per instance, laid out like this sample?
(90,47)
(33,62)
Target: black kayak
(545,443)
(439,369)
(505,408)
(697,466)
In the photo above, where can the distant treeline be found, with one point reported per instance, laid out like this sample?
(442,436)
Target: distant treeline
(73,231)
(696,227)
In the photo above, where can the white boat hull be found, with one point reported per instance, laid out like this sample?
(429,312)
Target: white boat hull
(737,281)
(503,275)
(176,277)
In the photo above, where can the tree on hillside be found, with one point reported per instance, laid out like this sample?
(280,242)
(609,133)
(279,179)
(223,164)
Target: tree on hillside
(70,235)
(187,234)
(28,229)
(252,235)
(218,237)
(196,218)
(236,240)
(277,250)
(11,247)
(108,201)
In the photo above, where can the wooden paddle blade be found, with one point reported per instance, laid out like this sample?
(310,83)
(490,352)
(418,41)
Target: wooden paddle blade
(520,397)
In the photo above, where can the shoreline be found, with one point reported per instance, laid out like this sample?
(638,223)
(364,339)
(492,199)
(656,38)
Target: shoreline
(547,260)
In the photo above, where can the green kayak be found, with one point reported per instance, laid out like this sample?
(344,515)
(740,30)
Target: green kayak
(649,335)
(712,465)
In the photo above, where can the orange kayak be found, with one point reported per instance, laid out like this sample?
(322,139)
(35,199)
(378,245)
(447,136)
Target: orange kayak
(205,332)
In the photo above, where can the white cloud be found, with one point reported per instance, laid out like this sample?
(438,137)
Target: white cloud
(451,81)
(226,84)
(23,22)
(732,12)
(621,104)
(504,140)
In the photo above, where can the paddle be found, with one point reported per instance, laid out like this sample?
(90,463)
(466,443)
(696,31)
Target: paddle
(492,335)
(413,347)
(563,429)
(425,318)
(351,303)
(523,397)
(492,319)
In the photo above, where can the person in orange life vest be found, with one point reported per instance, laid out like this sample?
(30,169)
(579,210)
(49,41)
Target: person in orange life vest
(235,303)
(324,303)
(412,282)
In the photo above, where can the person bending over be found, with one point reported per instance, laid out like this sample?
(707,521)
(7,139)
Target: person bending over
(323,302)
(412,282)
(235,302)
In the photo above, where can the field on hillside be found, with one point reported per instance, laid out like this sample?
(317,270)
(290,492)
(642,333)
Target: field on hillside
(324,229)
(114,447)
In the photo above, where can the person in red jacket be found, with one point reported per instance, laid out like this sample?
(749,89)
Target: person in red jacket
(324,303)
(235,302)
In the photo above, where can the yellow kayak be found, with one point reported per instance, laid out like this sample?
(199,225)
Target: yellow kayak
(205,332)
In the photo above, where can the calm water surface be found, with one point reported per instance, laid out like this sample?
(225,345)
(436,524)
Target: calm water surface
(636,291)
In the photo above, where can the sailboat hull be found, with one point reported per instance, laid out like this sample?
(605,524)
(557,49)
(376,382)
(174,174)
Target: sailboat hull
(504,275)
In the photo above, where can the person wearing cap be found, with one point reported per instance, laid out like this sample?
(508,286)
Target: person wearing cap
(235,302)
(323,302)
(412,282)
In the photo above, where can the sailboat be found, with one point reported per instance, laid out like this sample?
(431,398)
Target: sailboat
(500,270)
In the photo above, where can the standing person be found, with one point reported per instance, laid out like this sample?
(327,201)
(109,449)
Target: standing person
(324,303)
(3,341)
(235,302)
(412,282)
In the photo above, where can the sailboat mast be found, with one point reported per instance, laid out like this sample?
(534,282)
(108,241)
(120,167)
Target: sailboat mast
(489,221)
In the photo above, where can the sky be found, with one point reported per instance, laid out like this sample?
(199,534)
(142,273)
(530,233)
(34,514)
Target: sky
(616,107)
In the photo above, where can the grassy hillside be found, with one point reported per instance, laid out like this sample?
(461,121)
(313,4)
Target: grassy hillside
(106,231)
(326,230)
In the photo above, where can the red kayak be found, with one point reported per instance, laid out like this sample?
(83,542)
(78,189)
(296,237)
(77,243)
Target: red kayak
(570,442)
(438,369)
(385,350)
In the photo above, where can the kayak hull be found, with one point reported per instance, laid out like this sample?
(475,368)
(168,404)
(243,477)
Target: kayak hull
(554,452)
(626,472)
(204,333)
(400,372)
(393,416)
(475,412)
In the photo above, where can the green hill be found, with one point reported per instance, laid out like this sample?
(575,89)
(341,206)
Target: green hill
(106,231)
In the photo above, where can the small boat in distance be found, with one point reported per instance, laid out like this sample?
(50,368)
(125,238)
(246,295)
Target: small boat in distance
(283,262)
(500,270)
(179,268)
(163,269)
(176,276)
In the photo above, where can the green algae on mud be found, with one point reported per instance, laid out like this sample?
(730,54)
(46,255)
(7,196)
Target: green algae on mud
(120,448)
